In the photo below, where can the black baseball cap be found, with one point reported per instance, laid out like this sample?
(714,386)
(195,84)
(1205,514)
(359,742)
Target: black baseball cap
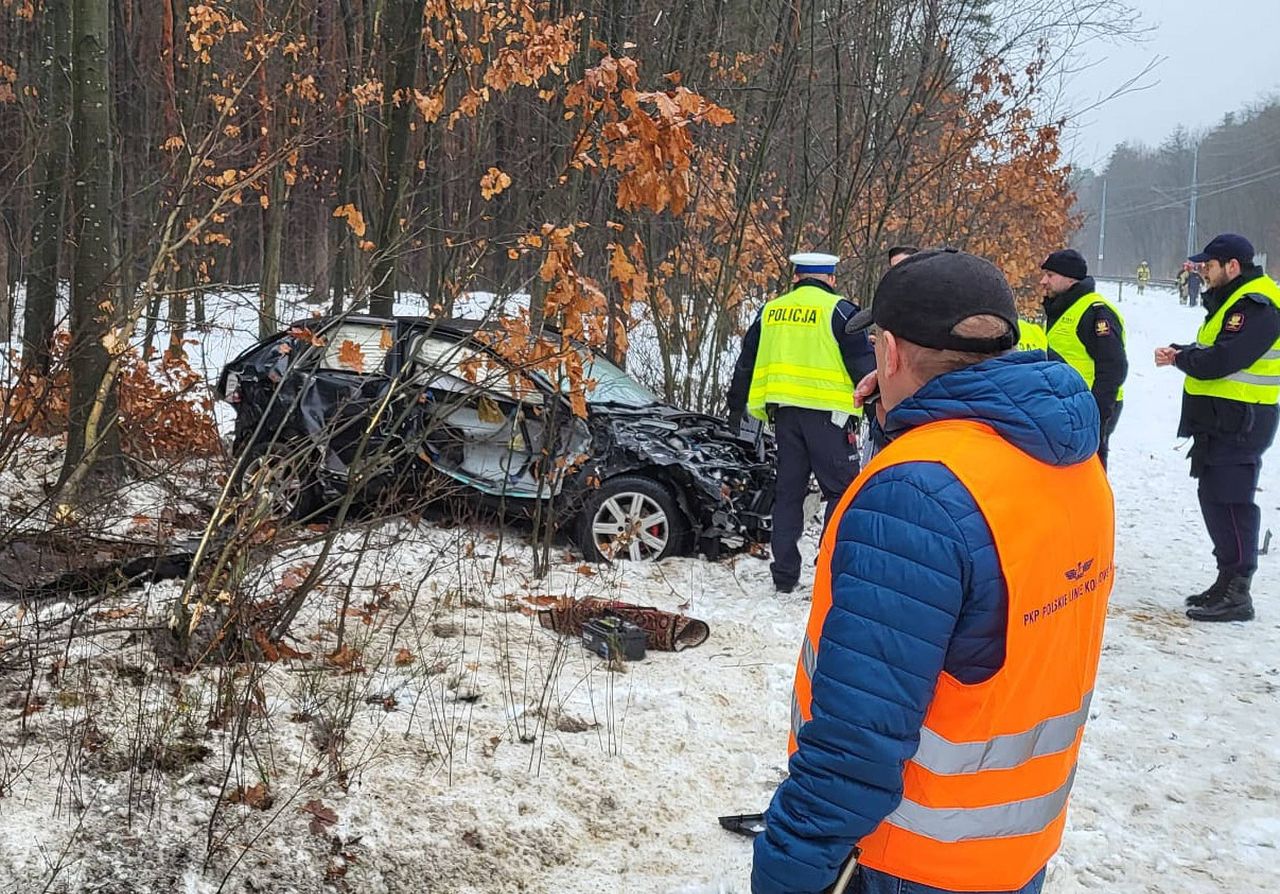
(926,295)
(1226,247)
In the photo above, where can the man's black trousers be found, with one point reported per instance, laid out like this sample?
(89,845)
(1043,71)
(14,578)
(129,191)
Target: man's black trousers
(1231,515)
(808,442)
(1108,428)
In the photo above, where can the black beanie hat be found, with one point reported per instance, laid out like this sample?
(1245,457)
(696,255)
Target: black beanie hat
(1069,262)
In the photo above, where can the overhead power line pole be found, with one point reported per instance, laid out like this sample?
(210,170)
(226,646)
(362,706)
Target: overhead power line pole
(1102,224)
(1191,208)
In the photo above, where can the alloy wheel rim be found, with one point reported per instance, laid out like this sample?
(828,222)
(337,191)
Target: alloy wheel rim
(631,525)
(271,480)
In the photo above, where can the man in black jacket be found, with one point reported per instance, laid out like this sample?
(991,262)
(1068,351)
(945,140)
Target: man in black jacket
(1229,410)
(1087,332)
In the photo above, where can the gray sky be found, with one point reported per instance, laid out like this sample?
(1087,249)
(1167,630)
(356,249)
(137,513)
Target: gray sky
(1216,56)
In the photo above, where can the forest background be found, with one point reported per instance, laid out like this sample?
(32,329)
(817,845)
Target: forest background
(615,161)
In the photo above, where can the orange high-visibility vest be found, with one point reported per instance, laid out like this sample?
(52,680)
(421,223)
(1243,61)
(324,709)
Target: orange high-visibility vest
(985,796)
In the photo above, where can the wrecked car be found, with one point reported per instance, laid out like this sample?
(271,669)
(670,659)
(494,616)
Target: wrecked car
(370,405)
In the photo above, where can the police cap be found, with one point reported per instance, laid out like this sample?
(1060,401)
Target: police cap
(814,262)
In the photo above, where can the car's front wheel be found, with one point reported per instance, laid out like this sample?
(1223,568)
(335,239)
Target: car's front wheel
(630,517)
(280,478)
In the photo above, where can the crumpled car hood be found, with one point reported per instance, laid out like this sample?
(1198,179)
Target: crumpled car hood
(731,476)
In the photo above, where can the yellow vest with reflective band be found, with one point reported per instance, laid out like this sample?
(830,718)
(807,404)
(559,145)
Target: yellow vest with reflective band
(798,363)
(984,798)
(1065,342)
(1258,383)
(1031,337)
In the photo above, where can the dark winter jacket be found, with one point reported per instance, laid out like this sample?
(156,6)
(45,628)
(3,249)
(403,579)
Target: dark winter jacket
(916,589)
(855,350)
(1111,364)
(1229,431)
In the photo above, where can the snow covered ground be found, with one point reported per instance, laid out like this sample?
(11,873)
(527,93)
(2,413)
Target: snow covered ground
(494,758)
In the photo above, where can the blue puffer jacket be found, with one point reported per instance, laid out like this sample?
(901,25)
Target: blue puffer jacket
(916,589)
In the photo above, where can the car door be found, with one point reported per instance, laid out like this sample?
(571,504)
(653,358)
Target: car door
(346,383)
(486,424)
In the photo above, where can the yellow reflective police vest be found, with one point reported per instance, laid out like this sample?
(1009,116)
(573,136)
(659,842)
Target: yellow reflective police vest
(1258,383)
(1064,341)
(799,363)
(1031,337)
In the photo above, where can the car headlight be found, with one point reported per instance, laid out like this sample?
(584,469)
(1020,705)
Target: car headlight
(231,391)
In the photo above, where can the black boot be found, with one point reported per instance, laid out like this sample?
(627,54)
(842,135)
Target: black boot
(1234,604)
(1216,589)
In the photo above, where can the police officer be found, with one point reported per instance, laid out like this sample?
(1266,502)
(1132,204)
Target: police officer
(1229,410)
(1087,332)
(1031,336)
(797,368)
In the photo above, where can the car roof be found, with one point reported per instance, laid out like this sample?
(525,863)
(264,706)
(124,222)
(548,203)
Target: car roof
(456,325)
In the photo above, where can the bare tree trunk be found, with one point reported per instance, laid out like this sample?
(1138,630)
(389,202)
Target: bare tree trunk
(6,297)
(403,38)
(150,324)
(40,316)
(272,243)
(177,319)
(318,270)
(92,436)
(341,246)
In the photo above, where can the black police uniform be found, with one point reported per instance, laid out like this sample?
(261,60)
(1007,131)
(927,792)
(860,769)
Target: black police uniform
(1229,436)
(807,440)
(1102,334)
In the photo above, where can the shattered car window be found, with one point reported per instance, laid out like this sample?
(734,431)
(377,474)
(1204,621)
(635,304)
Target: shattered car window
(610,385)
(460,367)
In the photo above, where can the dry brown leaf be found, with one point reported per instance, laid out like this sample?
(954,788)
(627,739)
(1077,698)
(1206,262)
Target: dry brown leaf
(351,214)
(293,577)
(321,817)
(350,356)
(494,182)
(258,796)
(346,658)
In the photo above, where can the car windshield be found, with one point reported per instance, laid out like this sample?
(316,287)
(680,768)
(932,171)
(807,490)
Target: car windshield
(613,386)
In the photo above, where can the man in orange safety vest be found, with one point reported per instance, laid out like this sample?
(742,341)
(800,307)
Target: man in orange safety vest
(946,673)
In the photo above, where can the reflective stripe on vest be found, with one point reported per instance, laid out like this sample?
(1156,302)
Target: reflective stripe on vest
(1259,383)
(1031,337)
(1001,821)
(798,363)
(1050,736)
(1065,341)
(984,797)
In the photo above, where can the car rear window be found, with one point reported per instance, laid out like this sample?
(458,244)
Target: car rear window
(357,347)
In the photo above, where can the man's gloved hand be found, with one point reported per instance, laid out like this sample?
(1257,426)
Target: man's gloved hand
(735,421)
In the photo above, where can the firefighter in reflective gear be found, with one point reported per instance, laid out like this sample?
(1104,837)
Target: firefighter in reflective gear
(1229,410)
(945,675)
(1031,336)
(1087,332)
(1144,276)
(797,369)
